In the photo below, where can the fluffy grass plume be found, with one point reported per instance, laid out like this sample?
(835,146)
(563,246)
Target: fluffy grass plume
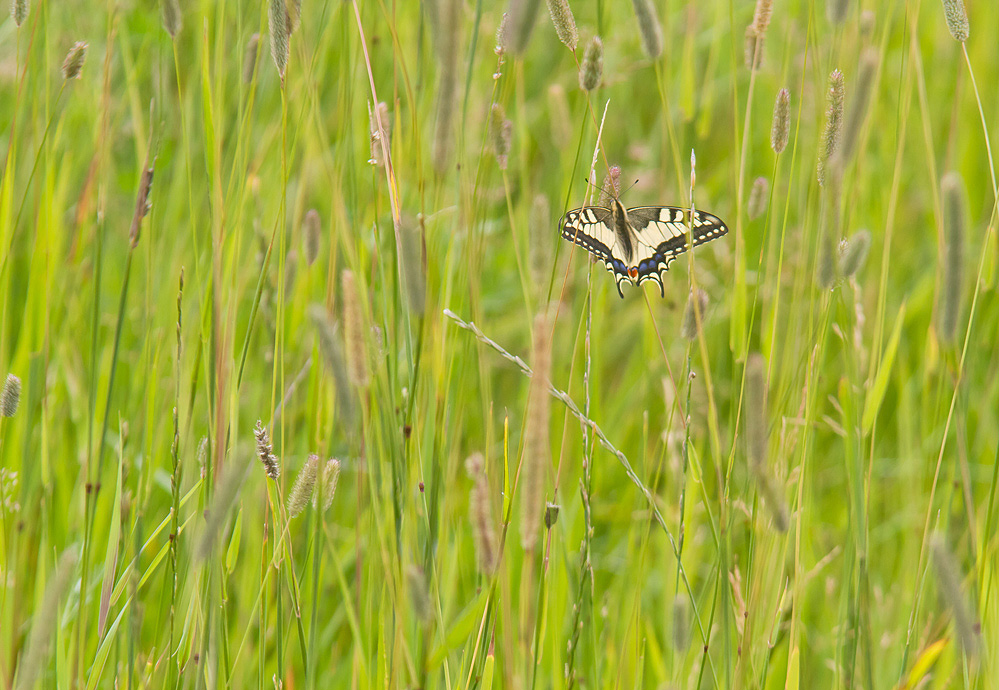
(265,451)
(414,263)
(312,228)
(481,515)
(19,11)
(381,131)
(173,19)
(592,67)
(445,31)
(649,28)
(500,134)
(143,203)
(10,396)
(564,22)
(45,622)
(957,19)
(537,452)
(250,57)
(854,254)
(277,26)
(758,198)
(858,108)
(953,255)
(833,129)
(781,127)
(354,331)
(328,482)
(72,66)
(304,486)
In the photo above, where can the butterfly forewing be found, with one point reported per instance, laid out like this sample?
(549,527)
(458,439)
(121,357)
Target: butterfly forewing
(659,234)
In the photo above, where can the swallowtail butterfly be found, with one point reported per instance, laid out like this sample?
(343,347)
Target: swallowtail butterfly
(638,244)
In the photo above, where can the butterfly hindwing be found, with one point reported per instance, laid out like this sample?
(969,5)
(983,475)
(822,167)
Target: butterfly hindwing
(658,234)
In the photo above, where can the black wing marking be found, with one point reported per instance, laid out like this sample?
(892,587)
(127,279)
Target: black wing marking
(659,234)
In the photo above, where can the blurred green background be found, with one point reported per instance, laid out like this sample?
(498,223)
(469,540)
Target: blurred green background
(794,489)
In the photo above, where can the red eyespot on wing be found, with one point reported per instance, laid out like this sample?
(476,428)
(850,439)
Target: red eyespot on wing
(633,272)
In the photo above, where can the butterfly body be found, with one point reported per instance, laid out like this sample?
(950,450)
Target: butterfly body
(638,244)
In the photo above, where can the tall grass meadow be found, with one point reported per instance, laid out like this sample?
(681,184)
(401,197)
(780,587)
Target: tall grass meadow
(302,388)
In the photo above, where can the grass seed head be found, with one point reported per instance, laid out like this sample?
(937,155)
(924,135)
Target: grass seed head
(250,58)
(564,22)
(380,133)
(854,255)
(500,134)
(611,188)
(73,64)
(265,451)
(502,35)
(781,128)
(592,68)
(537,448)
(143,203)
(305,484)
(836,11)
(953,255)
(649,28)
(311,229)
(758,198)
(756,410)
(858,109)
(761,16)
(10,396)
(19,11)
(957,19)
(329,481)
(481,514)
(173,19)
(834,122)
(294,14)
(277,22)
(540,245)
(353,331)
(445,29)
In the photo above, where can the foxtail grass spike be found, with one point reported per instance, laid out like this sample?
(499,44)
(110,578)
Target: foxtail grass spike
(858,108)
(834,122)
(44,621)
(19,11)
(265,451)
(380,133)
(761,16)
(73,64)
(758,198)
(445,27)
(329,480)
(592,68)
(481,513)
(502,35)
(250,58)
(294,14)
(854,256)
(837,10)
(781,127)
(611,188)
(649,28)
(949,586)
(173,20)
(540,244)
(753,48)
(756,410)
(413,261)
(312,228)
(500,134)
(143,203)
(331,349)
(277,25)
(302,489)
(957,19)
(10,396)
(694,314)
(523,14)
(353,331)
(565,23)
(953,261)
(536,443)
